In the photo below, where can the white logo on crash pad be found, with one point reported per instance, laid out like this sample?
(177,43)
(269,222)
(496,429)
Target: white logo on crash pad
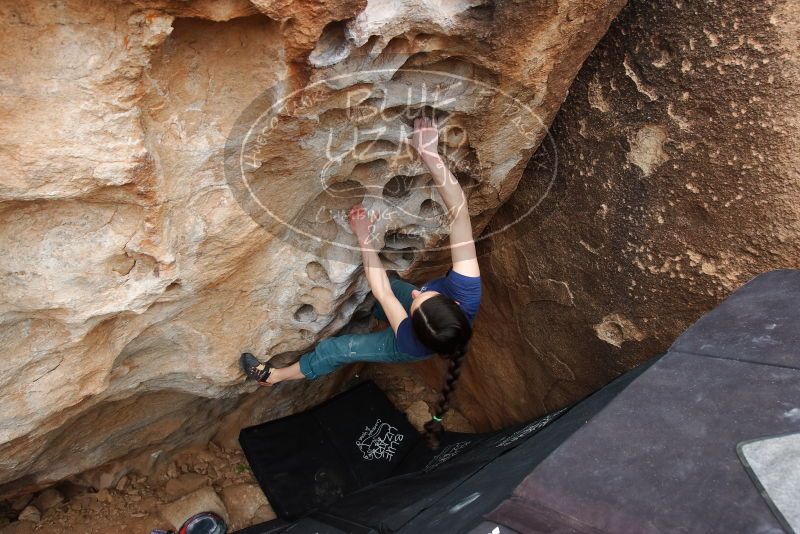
(379,442)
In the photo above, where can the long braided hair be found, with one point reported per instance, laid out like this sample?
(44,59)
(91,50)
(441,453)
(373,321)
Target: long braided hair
(441,325)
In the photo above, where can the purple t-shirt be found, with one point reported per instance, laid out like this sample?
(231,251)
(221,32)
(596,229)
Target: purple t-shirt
(466,290)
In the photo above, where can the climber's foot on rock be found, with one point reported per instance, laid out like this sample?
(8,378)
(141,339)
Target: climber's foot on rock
(254,369)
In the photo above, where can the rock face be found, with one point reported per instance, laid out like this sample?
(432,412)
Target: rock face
(677,182)
(139,257)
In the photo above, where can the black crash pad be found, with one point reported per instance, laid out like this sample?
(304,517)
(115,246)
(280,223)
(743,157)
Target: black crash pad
(355,441)
(313,458)
(317,469)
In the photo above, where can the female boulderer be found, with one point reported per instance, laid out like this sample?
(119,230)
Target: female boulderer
(435,318)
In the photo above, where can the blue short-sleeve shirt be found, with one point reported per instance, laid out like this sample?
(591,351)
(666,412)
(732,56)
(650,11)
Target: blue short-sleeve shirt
(466,290)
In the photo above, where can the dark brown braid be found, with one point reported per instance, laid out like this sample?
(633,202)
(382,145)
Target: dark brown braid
(442,326)
(433,428)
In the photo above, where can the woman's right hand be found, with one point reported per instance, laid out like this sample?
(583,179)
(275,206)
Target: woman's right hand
(361,223)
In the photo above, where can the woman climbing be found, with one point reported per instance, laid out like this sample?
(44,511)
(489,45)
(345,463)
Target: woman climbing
(434,319)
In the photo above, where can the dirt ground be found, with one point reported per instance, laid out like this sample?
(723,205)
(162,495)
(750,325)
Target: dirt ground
(133,504)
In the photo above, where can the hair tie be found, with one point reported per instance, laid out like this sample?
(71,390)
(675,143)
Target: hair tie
(435,418)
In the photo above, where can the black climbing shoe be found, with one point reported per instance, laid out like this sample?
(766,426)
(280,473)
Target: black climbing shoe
(253,368)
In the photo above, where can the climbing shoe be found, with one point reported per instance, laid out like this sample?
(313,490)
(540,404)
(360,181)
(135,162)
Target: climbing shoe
(253,368)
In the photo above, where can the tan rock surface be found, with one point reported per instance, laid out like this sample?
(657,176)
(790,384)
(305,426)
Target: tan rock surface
(186,483)
(48,499)
(246,505)
(418,413)
(30,513)
(134,271)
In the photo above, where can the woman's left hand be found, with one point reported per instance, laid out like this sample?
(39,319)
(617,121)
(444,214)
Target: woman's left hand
(425,138)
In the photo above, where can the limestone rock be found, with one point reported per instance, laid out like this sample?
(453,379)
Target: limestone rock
(677,182)
(184,484)
(30,513)
(135,268)
(418,413)
(246,505)
(103,495)
(263,513)
(105,476)
(616,329)
(454,421)
(120,486)
(48,499)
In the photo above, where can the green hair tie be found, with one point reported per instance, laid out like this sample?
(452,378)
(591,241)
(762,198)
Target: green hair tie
(437,418)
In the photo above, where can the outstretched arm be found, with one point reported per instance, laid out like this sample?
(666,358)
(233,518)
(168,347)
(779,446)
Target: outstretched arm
(361,223)
(425,139)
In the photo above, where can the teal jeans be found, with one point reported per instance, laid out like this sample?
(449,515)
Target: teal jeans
(332,353)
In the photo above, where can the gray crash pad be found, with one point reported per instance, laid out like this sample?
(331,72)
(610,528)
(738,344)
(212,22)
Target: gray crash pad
(774,465)
(662,456)
(759,322)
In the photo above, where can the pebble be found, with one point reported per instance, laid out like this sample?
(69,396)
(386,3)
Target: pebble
(103,495)
(30,513)
(172,470)
(184,484)
(48,499)
(244,502)
(122,483)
